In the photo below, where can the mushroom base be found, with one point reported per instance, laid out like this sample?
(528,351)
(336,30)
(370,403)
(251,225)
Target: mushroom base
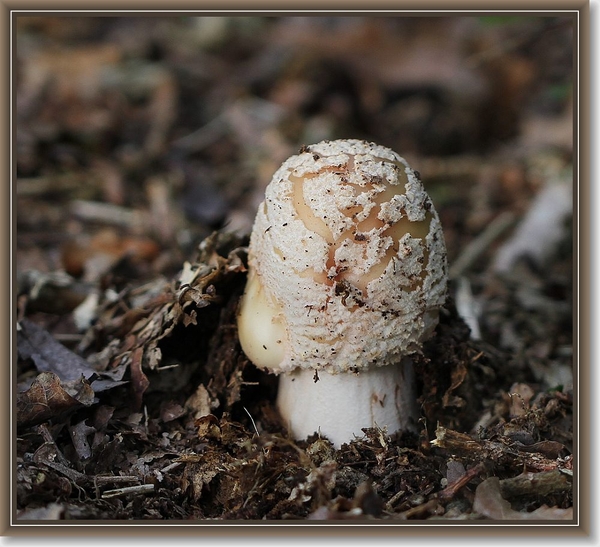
(339,406)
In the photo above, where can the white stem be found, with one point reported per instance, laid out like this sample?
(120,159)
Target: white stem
(338,406)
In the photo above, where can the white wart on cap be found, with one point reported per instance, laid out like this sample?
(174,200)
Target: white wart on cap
(347,272)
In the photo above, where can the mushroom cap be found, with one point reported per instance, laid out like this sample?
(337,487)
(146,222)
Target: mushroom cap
(347,262)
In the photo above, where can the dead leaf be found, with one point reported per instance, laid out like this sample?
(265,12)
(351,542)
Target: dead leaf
(459,373)
(201,403)
(49,355)
(48,399)
(455,470)
(208,427)
(490,503)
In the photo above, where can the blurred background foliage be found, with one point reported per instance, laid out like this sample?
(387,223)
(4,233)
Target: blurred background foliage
(138,136)
(214,104)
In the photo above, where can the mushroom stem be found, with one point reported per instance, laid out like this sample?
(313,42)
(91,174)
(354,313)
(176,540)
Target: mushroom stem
(339,406)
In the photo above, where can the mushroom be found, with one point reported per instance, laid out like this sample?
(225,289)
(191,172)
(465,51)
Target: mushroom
(346,275)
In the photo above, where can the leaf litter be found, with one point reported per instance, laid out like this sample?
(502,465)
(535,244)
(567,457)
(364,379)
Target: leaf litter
(147,159)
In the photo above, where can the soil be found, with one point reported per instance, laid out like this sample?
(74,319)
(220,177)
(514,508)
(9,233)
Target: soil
(143,148)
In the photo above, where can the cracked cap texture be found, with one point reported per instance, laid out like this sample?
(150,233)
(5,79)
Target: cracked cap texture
(347,262)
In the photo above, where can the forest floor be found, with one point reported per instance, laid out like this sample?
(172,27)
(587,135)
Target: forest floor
(143,148)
